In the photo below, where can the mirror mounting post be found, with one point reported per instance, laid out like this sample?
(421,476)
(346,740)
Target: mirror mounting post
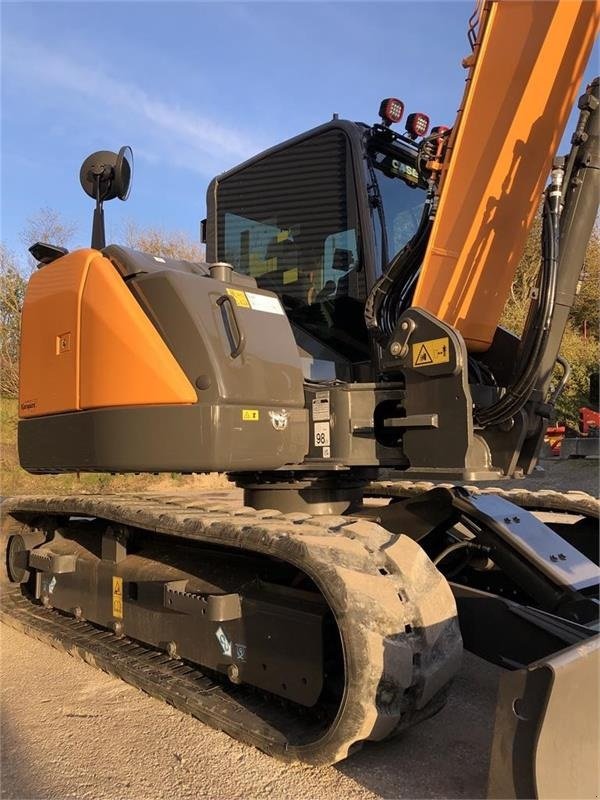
(98,230)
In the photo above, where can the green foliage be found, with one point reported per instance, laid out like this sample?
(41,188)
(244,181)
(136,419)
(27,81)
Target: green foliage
(581,351)
(12,291)
(587,306)
(582,354)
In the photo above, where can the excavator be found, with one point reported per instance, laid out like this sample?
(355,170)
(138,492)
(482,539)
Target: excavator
(339,356)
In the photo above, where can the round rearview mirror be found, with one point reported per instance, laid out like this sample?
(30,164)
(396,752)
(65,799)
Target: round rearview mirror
(123,172)
(105,175)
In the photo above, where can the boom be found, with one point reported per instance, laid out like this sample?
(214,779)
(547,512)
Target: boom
(524,73)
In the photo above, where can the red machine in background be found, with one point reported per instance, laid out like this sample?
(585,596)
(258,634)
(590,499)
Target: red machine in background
(565,442)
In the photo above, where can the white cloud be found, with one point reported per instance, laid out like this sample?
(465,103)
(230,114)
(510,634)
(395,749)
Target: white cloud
(165,129)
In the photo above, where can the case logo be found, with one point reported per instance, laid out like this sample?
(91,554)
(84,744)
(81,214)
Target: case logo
(63,343)
(279,419)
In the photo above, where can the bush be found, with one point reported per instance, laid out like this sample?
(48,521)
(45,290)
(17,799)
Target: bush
(582,354)
(581,351)
(12,291)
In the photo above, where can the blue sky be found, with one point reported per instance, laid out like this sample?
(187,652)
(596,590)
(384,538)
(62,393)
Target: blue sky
(196,87)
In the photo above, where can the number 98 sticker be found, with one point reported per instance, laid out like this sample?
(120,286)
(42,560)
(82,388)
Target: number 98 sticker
(322,434)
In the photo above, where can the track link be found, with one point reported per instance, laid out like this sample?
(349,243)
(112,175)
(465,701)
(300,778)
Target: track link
(572,502)
(395,613)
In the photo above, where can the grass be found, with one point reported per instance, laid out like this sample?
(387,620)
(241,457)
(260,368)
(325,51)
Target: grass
(14,480)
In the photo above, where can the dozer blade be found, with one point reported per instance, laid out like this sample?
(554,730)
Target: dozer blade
(547,730)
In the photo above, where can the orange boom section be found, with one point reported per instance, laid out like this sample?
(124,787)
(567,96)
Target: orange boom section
(86,343)
(527,69)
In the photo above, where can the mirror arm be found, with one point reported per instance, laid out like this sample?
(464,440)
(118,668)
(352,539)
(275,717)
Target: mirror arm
(98,232)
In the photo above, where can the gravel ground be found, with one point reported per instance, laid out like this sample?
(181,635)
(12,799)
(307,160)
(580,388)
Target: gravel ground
(69,731)
(562,474)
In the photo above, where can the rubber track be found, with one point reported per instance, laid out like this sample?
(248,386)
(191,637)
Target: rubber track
(572,502)
(395,612)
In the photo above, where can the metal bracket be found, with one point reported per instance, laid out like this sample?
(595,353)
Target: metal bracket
(535,542)
(47,561)
(413,421)
(216,607)
(114,545)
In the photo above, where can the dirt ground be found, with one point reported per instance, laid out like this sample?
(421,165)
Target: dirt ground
(69,731)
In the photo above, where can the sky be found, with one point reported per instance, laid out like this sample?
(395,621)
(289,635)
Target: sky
(197,87)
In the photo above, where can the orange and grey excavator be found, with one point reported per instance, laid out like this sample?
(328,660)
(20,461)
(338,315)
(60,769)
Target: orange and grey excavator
(345,322)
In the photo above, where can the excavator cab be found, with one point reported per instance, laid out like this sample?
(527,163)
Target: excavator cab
(316,220)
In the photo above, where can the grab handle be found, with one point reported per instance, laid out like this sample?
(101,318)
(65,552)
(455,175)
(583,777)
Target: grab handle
(232,326)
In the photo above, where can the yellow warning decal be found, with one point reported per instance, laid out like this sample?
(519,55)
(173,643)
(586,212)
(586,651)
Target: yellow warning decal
(290,275)
(117,597)
(433,351)
(250,414)
(239,297)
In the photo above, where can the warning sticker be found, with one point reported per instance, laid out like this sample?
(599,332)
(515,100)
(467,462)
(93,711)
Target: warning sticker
(262,302)
(320,406)
(433,351)
(117,597)
(239,297)
(250,414)
(224,641)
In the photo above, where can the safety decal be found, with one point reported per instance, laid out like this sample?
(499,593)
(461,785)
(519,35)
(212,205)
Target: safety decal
(239,297)
(262,302)
(224,641)
(320,406)
(250,414)
(117,597)
(433,351)
(240,652)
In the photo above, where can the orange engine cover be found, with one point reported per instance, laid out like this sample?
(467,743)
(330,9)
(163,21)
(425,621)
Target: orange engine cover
(86,343)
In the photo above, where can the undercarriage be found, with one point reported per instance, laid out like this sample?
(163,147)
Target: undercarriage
(308,635)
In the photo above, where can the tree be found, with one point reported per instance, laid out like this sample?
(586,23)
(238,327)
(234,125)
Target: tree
(525,279)
(585,314)
(157,242)
(12,292)
(580,351)
(47,226)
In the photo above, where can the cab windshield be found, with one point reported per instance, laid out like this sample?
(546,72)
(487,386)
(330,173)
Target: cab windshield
(402,195)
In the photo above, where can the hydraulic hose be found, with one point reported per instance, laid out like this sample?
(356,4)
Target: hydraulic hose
(539,320)
(391,293)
